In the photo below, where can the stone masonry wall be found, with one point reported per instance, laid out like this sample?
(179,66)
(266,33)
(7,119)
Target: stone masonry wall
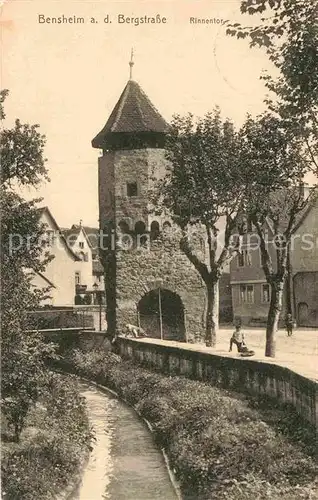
(138,272)
(131,166)
(247,376)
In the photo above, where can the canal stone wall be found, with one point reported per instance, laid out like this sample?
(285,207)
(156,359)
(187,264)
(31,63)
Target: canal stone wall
(244,375)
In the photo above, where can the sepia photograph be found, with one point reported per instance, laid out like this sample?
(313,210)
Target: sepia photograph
(159,249)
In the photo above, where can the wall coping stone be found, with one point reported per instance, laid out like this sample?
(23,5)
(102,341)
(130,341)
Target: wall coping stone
(209,351)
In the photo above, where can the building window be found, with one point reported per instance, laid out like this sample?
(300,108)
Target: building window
(50,237)
(244,258)
(77,278)
(247,294)
(240,259)
(266,295)
(132,189)
(81,244)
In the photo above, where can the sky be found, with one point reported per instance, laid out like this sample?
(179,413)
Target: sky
(68,77)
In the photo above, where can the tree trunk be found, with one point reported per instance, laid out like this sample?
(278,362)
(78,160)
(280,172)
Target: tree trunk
(212,313)
(17,432)
(289,285)
(109,263)
(275,308)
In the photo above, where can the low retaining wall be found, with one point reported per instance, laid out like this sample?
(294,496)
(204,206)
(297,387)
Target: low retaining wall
(243,375)
(70,338)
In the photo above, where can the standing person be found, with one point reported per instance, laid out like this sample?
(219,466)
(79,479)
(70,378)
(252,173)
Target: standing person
(289,324)
(237,338)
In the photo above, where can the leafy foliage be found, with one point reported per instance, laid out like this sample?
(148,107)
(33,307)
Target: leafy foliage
(281,149)
(3,95)
(273,165)
(43,463)
(22,150)
(203,189)
(289,34)
(272,161)
(23,354)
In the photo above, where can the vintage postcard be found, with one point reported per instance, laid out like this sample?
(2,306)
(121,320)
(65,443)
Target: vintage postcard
(159,249)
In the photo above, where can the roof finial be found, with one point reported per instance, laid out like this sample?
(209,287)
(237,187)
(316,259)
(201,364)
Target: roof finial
(131,63)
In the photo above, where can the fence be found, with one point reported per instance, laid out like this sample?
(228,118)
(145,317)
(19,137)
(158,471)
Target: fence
(44,319)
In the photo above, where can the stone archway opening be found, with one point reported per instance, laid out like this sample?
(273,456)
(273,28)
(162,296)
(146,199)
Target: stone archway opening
(161,315)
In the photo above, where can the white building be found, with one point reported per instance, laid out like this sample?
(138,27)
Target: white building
(89,272)
(60,272)
(75,275)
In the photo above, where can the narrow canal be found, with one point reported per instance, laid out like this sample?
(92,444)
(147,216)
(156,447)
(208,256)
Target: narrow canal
(125,462)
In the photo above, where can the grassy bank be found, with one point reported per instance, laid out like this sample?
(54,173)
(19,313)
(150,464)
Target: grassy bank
(52,447)
(220,444)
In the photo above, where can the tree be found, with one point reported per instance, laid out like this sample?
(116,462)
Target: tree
(202,189)
(22,153)
(23,354)
(273,165)
(289,34)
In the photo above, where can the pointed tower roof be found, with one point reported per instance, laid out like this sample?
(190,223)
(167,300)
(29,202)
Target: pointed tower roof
(133,115)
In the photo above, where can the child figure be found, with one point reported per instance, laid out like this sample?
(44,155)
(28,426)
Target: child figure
(237,338)
(289,324)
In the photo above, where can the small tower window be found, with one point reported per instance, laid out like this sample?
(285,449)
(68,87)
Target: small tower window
(154,229)
(132,189)
(140,227)
(142,237)
(123,226)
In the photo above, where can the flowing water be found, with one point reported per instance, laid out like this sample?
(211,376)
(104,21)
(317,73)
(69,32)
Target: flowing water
(125,462)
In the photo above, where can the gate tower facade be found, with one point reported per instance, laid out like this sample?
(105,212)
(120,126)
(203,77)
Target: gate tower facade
(148,279)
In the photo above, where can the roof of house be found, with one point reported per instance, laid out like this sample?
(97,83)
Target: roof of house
(312,202)
(71,235)
(45,279)
(91,234)
(67,247)
(134,112)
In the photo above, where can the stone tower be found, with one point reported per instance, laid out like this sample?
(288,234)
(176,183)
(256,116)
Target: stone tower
(149,281)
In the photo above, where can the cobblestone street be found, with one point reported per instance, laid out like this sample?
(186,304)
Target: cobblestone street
(298,352)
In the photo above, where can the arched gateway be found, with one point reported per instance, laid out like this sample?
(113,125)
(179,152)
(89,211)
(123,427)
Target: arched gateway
(161,315)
